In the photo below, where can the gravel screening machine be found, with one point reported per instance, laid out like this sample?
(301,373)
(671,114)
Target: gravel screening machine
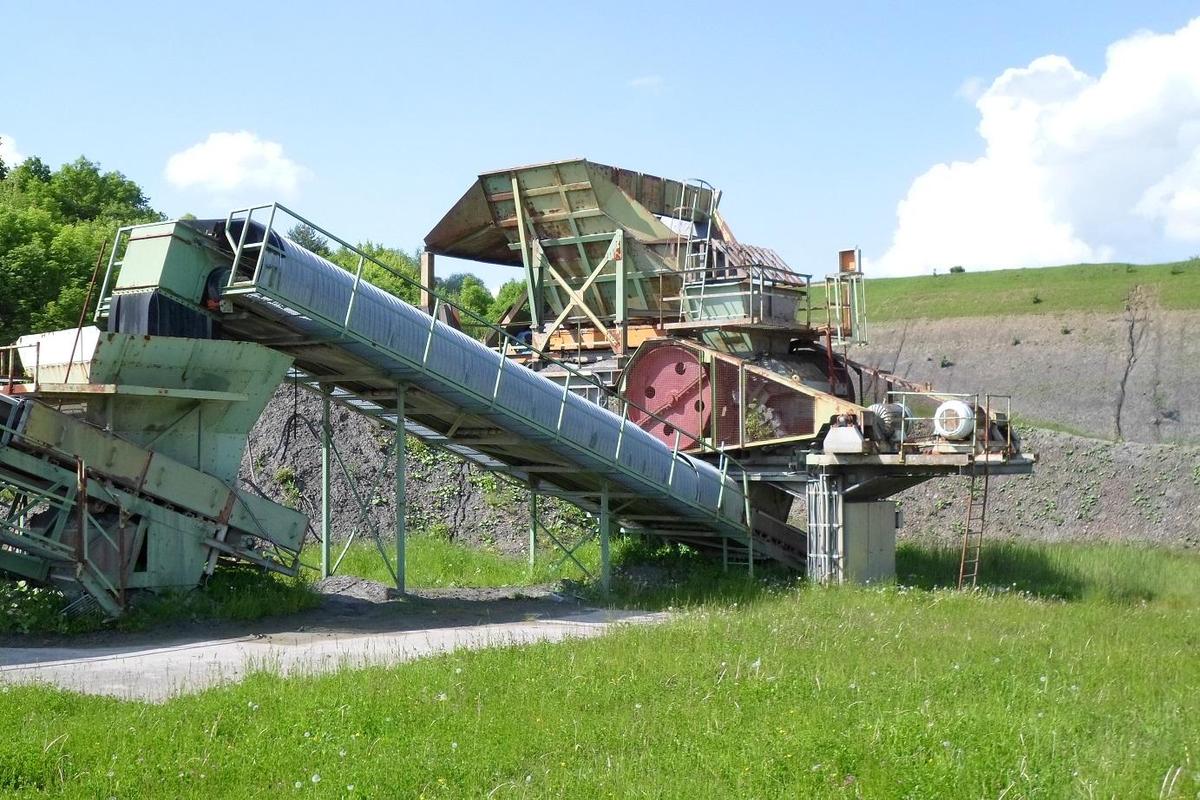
(658,373)
(639,282)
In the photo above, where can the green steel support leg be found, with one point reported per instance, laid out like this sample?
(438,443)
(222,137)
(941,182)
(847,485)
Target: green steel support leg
(605,525)
(622,300)
(326,511)
(533,522)
(401,500)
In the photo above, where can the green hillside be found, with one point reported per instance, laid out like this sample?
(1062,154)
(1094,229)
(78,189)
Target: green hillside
(1048,290)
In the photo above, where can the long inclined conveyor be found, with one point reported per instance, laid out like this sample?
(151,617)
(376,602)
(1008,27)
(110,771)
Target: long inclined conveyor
(361,344)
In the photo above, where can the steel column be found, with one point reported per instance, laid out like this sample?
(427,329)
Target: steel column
(533,522)
(605,527)
(401,501)
(326,510)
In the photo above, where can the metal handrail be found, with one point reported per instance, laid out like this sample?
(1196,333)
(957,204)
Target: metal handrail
(8,364)
(778,274)
(971,399)
(439,301)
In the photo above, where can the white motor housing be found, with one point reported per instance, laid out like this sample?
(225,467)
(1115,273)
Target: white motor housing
(954,419)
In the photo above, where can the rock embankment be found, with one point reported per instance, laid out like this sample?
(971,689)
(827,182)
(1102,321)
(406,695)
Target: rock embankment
(1132,376)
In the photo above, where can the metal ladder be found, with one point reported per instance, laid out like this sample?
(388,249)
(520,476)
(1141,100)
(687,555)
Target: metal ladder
(972,539)
(693,252)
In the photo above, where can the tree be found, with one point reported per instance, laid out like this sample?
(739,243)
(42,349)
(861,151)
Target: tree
(53,225)
(474,296)
(509,293)
(957,270)
(307,237)
(81,192)
(453,284)
(399,276)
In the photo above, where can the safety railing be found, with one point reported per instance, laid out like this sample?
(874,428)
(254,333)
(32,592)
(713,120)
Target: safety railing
(508,342)
(10,374)
(846,307)
(751,292)
(115,262)
(917,429)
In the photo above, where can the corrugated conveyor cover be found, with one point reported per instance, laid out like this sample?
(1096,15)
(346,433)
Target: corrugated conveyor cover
(462,371)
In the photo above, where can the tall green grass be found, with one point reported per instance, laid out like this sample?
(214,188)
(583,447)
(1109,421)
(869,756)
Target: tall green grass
(791,691)
(1046,290)
(232,593)
(435,562)
(1103,573)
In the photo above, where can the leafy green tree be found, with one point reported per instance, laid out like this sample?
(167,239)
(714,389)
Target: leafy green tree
(307,237)
(509,293)
(400,266)
(474,296)
(453,283)
(53,225)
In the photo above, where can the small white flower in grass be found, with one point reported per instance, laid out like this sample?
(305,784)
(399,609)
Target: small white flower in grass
(946,744)
(637,706)
(298,784)
(349,787)
(441,697)
(454,745)
(528,778)
(307,734)
(316,778)
(458,670)
(341,753)
(1043,679)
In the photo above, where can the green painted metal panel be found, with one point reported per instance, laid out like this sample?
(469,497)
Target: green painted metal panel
(209,435)
(54,433)
(170,257)
(573,208)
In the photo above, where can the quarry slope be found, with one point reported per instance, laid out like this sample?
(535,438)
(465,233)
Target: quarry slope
(1132,375)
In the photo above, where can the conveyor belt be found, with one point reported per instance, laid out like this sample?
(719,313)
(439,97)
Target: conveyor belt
(346,333)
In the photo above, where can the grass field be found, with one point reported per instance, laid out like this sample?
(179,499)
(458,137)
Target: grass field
(1078,681)
(1085,287)
(435,562)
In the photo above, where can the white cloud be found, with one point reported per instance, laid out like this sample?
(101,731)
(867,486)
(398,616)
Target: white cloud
(647,82)
(1075,168)
(8,151)
(226,162)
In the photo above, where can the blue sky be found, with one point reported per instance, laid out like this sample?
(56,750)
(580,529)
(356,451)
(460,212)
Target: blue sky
(817,120)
